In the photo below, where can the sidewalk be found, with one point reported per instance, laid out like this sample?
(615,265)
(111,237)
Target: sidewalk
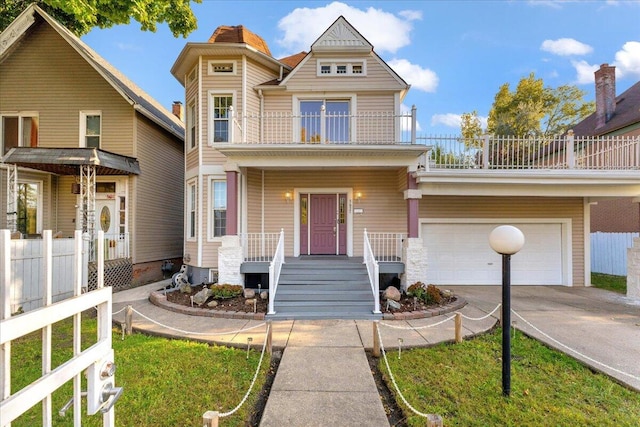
(324,376)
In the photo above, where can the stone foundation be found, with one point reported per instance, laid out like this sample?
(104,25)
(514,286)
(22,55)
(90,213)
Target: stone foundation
(414,255)
(633,269)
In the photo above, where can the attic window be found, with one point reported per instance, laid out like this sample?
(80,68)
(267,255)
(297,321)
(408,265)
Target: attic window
(341,68)
(217,67)
(192,75)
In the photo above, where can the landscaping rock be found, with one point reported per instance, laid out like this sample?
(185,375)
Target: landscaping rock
(249,293)
(264,295)
(202,296)
(185,288)
(393,305)
(391,293)
(212,304)
(250,301)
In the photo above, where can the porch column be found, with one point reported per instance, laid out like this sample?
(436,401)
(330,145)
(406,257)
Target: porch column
(412,196)
(232,203)
(633,269)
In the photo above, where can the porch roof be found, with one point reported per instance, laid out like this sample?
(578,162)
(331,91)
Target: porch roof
(66,161)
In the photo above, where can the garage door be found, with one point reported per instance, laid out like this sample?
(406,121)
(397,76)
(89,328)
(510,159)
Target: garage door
(459,254)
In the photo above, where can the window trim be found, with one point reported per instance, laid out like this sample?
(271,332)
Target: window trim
(39,202)
(20,115)
(191,122)
(210,134)
(83,127)
(211,217)
(333,63)
(213,62)
(192,200)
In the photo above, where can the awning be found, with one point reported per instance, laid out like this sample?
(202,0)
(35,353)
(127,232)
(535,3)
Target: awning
(67,161)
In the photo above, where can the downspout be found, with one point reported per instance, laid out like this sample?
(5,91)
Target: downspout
(281,73)
(261,96)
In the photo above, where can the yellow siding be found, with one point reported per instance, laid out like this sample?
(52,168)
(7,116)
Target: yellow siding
(158,204)
(515,207)
(47,76)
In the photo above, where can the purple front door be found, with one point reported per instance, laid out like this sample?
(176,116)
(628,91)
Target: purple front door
(323,229)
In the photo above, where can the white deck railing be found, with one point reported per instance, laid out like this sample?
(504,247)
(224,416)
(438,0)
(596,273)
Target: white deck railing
(259,247)
(286,127)
(274,271)
(387,247)
(116,246)
(373,269)
(507,152)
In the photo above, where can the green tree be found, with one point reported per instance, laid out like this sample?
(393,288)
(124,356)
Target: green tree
(80,16)
(535,110)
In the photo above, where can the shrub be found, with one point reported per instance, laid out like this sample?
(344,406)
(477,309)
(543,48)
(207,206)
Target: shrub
(225,291)
(427,294)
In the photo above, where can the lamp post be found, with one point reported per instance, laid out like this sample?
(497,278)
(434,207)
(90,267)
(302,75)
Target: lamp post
(506,240)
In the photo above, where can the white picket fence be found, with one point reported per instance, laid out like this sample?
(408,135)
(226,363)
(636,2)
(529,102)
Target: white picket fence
(609,252)
(27,272)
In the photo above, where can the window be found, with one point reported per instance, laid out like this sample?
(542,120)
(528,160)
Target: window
(191,125)
(19,131)
(192,209)
(336,121)
(222,67)
(122,209)
(221,117)
(333,67)
(29,207)
(218,190)
(192,75)
(90,129)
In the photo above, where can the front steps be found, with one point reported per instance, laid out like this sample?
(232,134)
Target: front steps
(324,287)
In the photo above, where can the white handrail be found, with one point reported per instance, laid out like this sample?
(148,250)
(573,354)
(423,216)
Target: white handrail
(274,271)
(373,270)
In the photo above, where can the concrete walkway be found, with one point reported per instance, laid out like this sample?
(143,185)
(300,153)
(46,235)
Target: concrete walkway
(324,376)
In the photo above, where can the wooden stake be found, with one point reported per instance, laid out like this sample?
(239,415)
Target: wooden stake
(210,419)
(270,337)
(458,323)
(434,420)
(376,340)
(128,320)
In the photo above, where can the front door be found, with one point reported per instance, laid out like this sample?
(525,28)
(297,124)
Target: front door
(107,221)
(323,224)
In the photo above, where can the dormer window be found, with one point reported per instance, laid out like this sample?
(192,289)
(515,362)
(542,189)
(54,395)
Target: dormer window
(341,68)
(222,67)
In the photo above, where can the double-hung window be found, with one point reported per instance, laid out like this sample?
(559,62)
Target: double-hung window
(221,117)
(332,126)
(218,196)
(192,200)
(29,209)
(90,129)
(19,130)
(191,125)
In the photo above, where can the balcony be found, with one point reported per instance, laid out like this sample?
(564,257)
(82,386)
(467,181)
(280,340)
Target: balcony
(614,153)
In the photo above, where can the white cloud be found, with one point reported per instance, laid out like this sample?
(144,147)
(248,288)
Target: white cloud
(454,120)
(566,47)
(419,78)
(628,59)
(584,72)
(385,31)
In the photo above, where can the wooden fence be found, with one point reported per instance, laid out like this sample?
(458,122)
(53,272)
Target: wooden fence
(609,252)
(27,272)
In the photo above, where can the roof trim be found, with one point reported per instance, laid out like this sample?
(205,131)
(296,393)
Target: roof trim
(67,161)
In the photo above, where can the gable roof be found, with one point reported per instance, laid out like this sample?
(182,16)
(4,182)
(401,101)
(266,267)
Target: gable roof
(239,34)
(627,113)
(134,95)
(341,36)
(294,59)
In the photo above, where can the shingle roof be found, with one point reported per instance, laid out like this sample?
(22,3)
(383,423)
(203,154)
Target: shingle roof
(627,113)
(141,101)
(294,59)
(239,34)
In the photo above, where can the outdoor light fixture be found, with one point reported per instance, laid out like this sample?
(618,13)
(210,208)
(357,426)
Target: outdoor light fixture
(288,196)
(506,240)
(358,196)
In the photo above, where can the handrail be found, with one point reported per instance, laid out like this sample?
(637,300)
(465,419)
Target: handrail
(373,270)
(275,266)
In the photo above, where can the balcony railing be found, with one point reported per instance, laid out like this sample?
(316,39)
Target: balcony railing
(506,152)
(387,247)
(286,127)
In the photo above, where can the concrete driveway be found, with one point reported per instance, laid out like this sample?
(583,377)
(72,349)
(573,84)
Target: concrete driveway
(600,328)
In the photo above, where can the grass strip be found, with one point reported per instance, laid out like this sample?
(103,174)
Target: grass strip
(462,383)
(610,282)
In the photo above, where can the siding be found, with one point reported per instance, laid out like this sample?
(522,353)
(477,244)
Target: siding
(158,201)
(48,76)
(515,207)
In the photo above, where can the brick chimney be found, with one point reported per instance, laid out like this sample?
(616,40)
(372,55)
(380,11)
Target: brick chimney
(605,94)
(176,109)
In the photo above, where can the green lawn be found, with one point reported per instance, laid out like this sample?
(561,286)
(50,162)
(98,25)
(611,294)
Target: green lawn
(166,382)
(462,383)
(609,282)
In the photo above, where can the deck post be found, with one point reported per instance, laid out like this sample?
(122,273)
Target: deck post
(210,419)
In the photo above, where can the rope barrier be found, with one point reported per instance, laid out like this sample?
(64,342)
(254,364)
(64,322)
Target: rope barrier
(393,380)
(198,333)
(483,317)
(416,328)
(575,351)
(253,381)
(119,311)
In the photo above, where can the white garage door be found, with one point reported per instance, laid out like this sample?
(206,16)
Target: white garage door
(459,254)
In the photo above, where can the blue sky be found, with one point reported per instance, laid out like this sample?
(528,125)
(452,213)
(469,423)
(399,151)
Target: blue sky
(455,54)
